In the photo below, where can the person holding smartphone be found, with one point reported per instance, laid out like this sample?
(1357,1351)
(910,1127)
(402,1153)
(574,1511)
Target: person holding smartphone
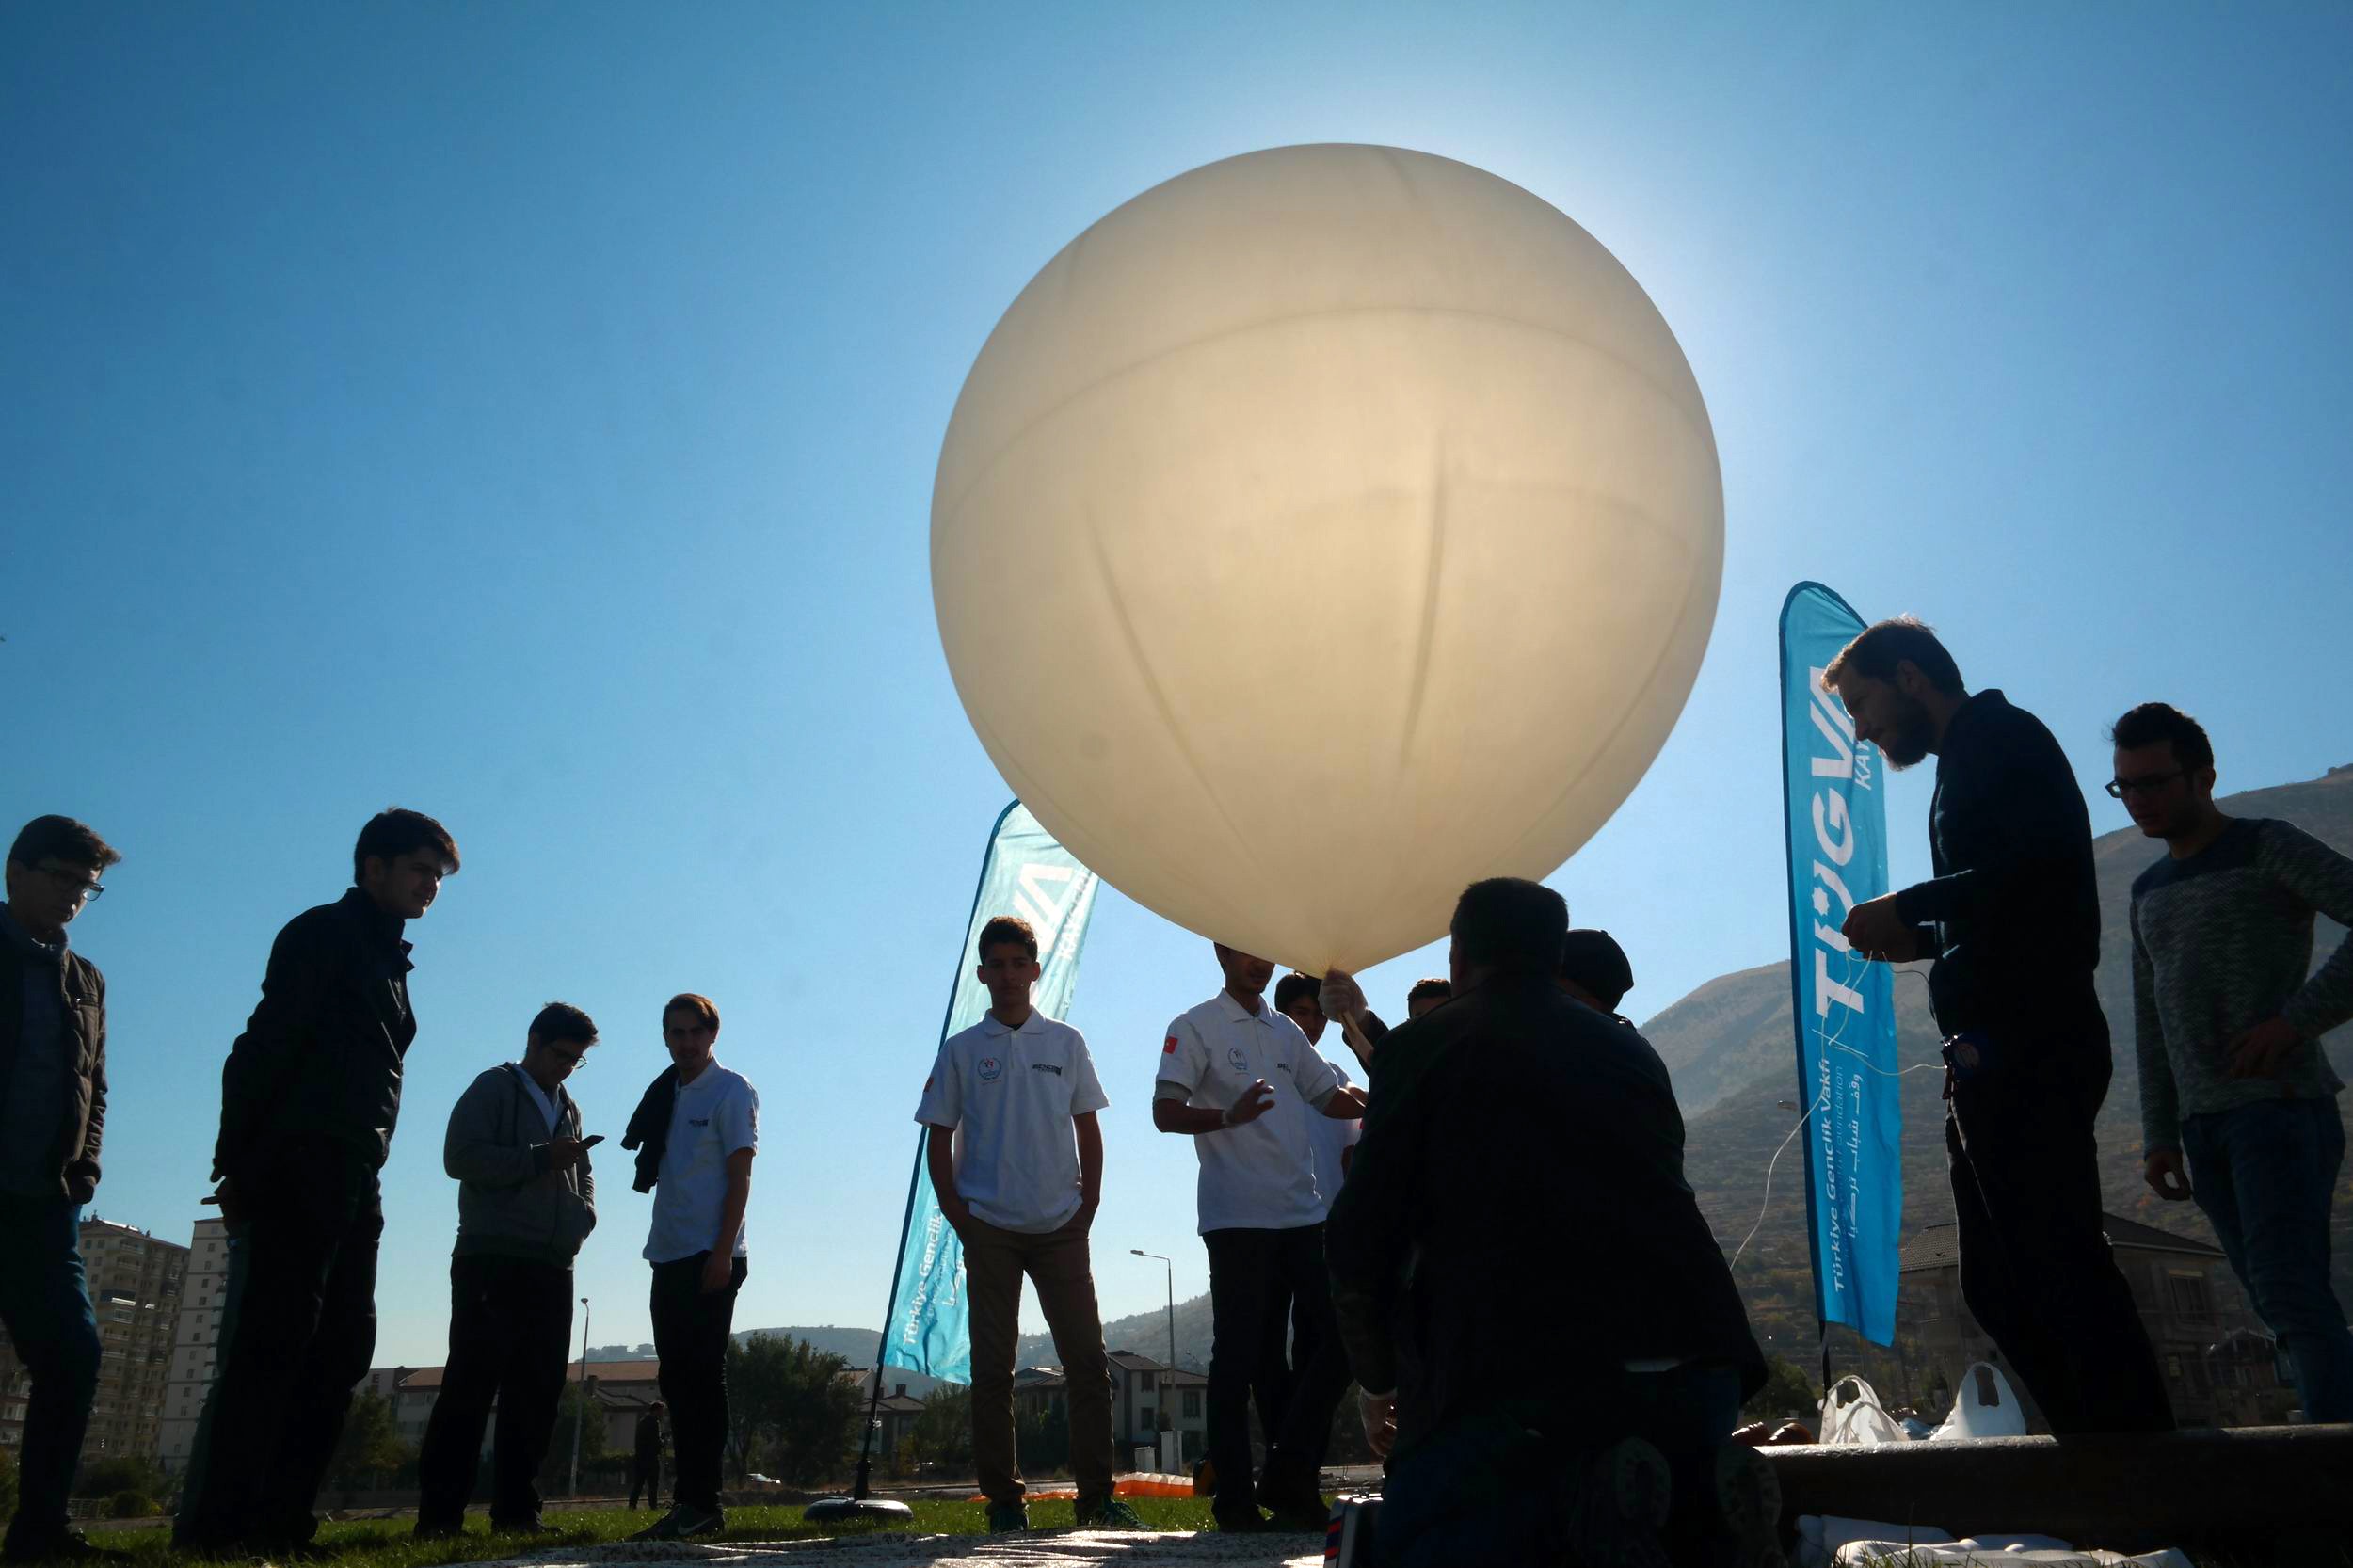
(526,1200)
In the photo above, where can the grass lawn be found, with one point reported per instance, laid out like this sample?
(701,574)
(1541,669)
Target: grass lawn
(386,1542)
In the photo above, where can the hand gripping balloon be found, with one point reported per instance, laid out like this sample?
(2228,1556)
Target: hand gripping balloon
(1321,531)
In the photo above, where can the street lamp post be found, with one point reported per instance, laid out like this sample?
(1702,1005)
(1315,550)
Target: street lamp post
(1168,1388)
(580,1411)
(1172,1300)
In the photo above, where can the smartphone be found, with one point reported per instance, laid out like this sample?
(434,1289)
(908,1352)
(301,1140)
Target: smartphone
(592,1141)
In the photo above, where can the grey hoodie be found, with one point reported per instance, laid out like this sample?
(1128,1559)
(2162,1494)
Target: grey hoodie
(510,1204)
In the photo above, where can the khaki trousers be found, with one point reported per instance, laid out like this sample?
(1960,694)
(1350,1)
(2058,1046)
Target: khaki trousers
(1057,1265)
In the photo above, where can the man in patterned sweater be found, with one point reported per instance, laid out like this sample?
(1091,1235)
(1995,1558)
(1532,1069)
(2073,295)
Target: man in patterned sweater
(2231,1075)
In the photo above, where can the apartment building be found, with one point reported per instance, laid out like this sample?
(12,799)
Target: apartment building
(195,1344)
(136,1283)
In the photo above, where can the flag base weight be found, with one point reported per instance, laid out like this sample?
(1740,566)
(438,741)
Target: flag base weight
(833,1510)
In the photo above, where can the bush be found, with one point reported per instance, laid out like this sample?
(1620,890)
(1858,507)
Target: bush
(8,1485)
(133,1505)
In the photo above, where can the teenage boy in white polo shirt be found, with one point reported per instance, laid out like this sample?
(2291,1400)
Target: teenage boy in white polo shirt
(696,1149)
(1018,1091)
(1242,1081)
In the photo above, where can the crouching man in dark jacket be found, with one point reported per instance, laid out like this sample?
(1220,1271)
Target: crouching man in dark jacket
(525,1202)
(308,1100)
(1513,1136)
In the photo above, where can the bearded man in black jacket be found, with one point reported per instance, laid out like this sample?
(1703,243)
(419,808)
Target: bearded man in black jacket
(308,1098)
(2012,919)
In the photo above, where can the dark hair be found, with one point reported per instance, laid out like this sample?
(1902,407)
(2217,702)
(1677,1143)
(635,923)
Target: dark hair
(1001,929)
(2152,722)
(394,832)
(1292,986)
(61,838)
(1594,960)
(691,1001)
(561,1020)
(1882,647)
(1509,922)
(1435,985)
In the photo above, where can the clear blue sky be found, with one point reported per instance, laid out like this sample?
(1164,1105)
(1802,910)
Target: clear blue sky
(527,413)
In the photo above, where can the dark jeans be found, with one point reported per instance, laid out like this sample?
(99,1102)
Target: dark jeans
(690,1334)
(510,1326)
(2035,1268)
(44,1304)
(297,1334)
(1489,1490)
(644,1478)
(2264,1173)
(1255,1278)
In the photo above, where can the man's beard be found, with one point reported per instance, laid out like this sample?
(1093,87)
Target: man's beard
(1915,732)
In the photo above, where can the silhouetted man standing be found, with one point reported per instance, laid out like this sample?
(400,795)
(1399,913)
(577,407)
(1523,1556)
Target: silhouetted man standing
(308,1098)
(53,1117)
(645,1467)
(2012,919)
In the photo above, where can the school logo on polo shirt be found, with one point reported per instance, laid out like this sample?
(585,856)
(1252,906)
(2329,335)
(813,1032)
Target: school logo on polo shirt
(991,1070)
(1238,1058)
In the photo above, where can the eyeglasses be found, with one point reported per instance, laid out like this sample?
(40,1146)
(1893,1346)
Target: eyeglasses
(84,893)
(2147,783)
(569,1057)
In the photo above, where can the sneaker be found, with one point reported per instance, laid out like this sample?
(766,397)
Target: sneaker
(1006,1518)
(1108,1514)
(683,1522)
(1743,1512)
(1621,1509)
(1238,1521)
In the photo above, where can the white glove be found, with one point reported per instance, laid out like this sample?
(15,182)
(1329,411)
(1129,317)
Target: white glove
(1340,995)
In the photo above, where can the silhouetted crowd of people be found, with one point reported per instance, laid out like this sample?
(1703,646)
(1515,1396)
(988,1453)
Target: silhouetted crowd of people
(1485,1226)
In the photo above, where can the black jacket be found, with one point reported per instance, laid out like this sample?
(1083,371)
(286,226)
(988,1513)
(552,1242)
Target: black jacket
(2013,909)
(84,1127)
(1516,1226)
(321,1056)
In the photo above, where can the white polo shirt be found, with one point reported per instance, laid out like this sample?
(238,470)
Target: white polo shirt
(1262,1175)
(712,1118)
(1330,1139)
(1011,1093)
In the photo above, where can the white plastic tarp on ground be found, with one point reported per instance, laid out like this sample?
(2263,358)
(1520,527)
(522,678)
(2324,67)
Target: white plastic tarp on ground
(1043,1550)
(1985,1405)
(1852,1414)
(1990,1552)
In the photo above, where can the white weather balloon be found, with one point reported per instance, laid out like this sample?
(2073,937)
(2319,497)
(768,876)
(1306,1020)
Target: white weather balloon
(1321,531)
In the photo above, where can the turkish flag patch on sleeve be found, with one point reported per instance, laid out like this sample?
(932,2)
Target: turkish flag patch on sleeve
(1170,1049)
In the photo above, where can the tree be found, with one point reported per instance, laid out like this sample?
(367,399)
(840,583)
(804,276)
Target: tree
(788,1407)
(1041,1438)
(942,1431)
(573,1408)
(1787,1391)
(370,1447)
(104,1478)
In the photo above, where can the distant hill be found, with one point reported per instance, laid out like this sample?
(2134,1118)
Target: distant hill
(1730,1048)
(1146,1334)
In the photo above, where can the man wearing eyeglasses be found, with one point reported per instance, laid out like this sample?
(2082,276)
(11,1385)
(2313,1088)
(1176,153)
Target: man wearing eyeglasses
(53,1114)
(2012,917)
(2228,1013)
(309,1098)
(525,1202)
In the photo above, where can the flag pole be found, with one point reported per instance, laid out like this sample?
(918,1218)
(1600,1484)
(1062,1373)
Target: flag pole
(859,1504)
